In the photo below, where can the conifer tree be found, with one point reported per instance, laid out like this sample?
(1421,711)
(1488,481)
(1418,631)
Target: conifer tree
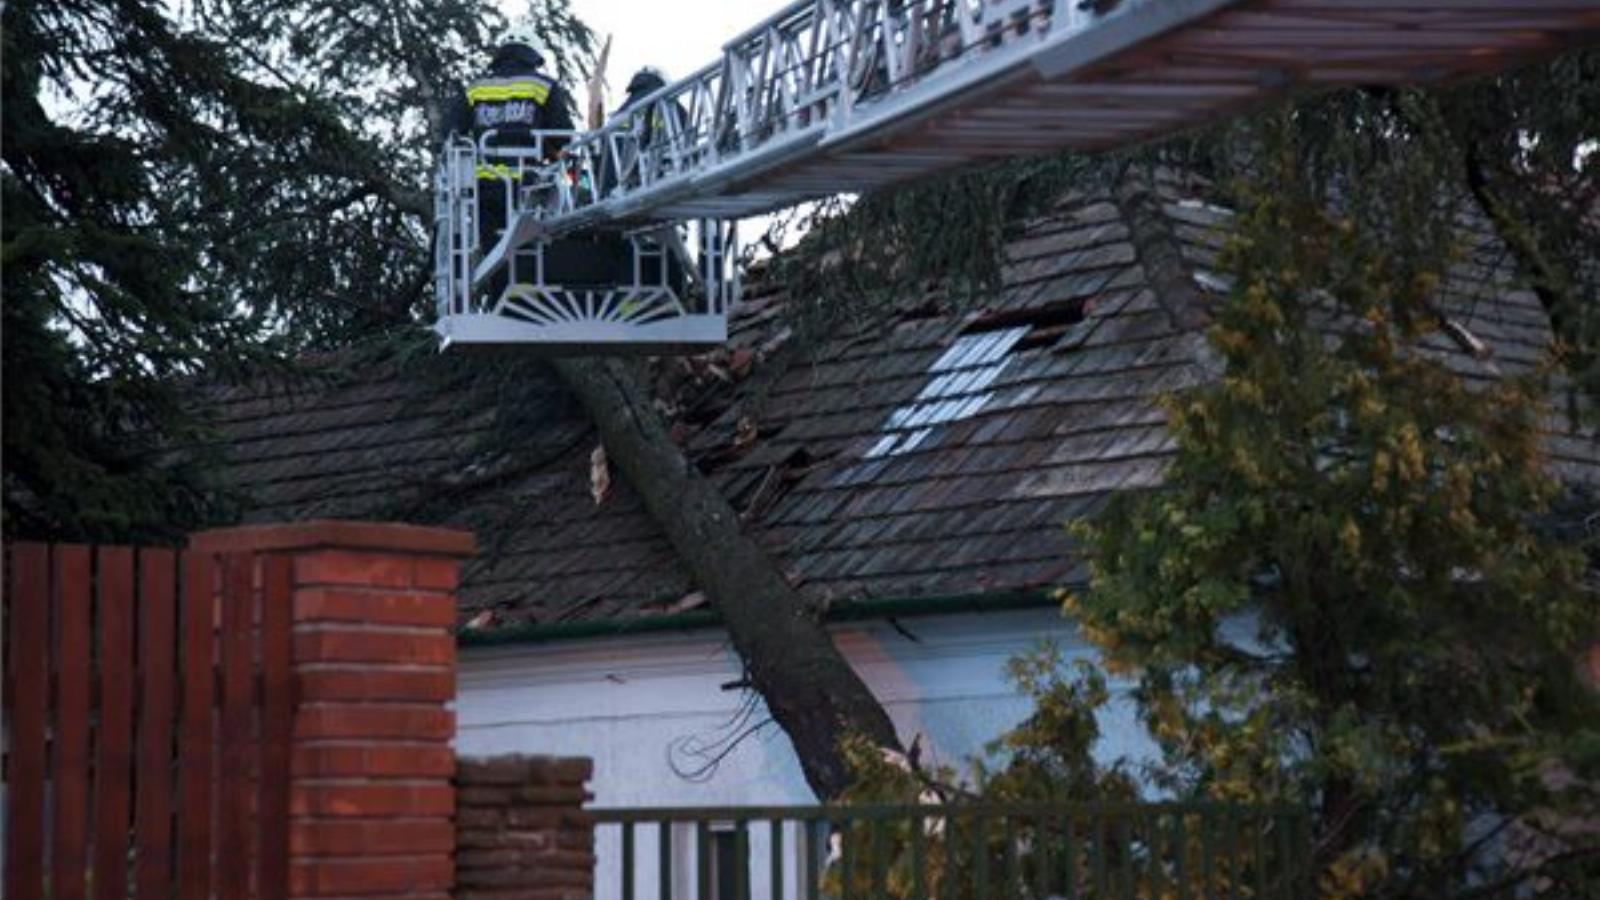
(1339,598)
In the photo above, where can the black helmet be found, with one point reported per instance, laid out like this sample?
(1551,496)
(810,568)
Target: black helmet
(646,80)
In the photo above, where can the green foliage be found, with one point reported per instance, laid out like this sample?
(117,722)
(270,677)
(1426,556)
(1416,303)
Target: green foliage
(1040,817)
(1045,760)
(1049,757)
(939,240)
(1339,598)
(101,312)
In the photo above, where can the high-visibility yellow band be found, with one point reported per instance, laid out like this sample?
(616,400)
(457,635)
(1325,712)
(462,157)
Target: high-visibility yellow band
(536,91)
(496,170)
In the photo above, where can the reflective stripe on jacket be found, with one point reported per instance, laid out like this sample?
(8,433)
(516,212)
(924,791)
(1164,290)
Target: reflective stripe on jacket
(499,90)
(516,103)
(512,101)
(497,171)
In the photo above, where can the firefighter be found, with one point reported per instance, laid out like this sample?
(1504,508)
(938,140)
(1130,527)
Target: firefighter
(505,109)
(517,97)
(645,82)
(650,127)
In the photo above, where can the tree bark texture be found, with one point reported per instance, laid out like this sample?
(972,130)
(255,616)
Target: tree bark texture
(809,688)
(1554,285)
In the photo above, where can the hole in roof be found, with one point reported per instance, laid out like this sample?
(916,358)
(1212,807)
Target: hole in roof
(928,308)
(1043,325)
(1046,315)
(1197,203)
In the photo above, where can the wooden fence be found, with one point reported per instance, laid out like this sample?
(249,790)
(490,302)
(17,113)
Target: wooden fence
(147,723)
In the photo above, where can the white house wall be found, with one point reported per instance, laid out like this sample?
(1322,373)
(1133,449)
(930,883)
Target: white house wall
(627,702)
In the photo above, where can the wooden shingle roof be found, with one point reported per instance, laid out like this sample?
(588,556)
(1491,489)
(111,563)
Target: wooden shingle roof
(933,453)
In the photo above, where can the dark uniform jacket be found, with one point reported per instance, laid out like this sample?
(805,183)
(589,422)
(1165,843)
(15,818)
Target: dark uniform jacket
(655,129)
(513,99)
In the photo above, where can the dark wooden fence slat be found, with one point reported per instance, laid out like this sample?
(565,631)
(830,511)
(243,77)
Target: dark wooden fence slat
(196,747)
(74,650)
(99,699)
(114,741)
(153,786)
(234,826)
(277,718)
(29,611)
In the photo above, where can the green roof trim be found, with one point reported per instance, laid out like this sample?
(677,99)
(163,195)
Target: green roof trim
(847,611)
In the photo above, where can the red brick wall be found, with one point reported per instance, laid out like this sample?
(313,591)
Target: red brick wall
(371,799)
(521,832)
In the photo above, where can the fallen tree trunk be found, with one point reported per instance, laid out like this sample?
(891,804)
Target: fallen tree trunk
(809,688)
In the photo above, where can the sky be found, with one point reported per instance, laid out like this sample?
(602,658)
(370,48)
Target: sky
(679,36)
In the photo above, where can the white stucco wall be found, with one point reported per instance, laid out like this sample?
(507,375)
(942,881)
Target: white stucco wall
(625,702)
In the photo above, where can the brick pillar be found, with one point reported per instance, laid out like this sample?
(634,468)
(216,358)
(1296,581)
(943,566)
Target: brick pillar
(522,833)
(374,657)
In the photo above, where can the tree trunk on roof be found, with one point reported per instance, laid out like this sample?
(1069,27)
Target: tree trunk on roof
(809,688)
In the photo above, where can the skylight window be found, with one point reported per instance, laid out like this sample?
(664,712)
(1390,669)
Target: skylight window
(956,390)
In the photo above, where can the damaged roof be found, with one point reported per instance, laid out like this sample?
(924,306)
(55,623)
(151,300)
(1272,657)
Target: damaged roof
(927,454)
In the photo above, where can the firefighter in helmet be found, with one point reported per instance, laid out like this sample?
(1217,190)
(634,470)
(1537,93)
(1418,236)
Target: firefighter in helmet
(651,127)
(644,82)
(506,110)
(517,96)
(645,128)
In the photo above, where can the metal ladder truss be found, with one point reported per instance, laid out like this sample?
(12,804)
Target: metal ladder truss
(838,96)
(814,76)
(655,287)
(841,96)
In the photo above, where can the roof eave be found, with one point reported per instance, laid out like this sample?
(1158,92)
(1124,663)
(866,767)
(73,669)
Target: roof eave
(695,620)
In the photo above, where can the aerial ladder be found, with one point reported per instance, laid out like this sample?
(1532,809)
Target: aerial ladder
(843,96)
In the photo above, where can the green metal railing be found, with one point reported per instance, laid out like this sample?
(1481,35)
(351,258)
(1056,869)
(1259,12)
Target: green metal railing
(955,852)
